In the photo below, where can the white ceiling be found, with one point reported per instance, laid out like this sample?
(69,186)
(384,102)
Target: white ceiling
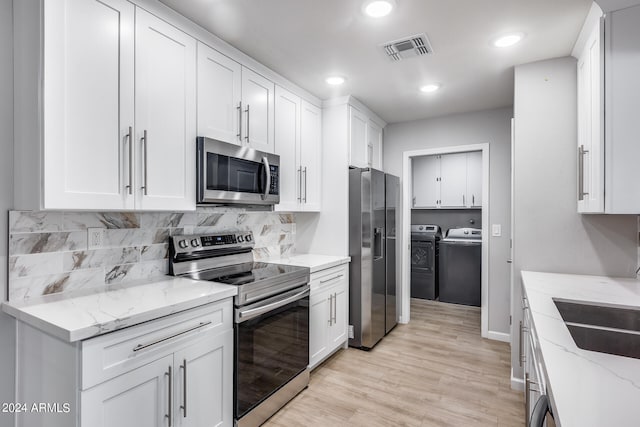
(306,40)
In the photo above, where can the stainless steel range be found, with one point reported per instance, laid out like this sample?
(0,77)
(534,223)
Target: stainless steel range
(271,313)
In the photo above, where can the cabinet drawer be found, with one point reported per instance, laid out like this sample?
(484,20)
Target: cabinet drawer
(329,277)
(118,352)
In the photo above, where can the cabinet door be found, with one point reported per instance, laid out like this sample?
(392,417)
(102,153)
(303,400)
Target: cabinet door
(219,95)
(165,115)
(258,111)
(375,145)
(358,123)
(453,180)
(474,179)
(203,385)
(590,126)
(426,184)
(338,329)
(310,156)
(287,136)
(139,398)
(88,104)
(319,317)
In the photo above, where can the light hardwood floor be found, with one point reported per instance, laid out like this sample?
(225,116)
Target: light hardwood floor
(435,371)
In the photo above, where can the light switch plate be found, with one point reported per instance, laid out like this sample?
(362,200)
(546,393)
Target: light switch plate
(496,230)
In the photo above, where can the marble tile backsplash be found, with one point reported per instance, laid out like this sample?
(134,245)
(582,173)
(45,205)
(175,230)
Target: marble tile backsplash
(48,250)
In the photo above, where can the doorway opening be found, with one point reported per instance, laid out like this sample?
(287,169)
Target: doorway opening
(445,189)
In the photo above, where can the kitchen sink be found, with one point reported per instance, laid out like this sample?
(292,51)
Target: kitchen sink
(606,329)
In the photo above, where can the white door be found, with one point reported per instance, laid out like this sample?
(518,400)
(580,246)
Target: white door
(375,145)
(319,317)
(165,115)
(219,96)
(310,154)
(287,137)
(139,398)
(426,184)
(258,111)
(338,330)
(88,104)
(474,179)
(453,180)
(203,386)
(358,123)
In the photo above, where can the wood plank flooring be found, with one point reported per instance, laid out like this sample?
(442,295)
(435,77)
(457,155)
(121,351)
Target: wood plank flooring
(435,371)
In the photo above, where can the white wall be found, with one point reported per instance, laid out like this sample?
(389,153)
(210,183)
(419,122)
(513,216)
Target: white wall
(549,234)
(7,325)
(490,126)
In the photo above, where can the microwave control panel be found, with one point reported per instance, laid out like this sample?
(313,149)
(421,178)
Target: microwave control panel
(275,181)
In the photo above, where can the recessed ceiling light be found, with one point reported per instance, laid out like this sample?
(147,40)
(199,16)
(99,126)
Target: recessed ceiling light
(378,8)
(335,80)
(432,87)
(508,40)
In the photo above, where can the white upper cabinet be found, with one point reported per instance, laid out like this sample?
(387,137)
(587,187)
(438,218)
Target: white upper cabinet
(608,103)
(88,104)
(297,142)
(453,180)
(426,181)
(165,91)
(449,181)
(219,95)
(359,142)
(374,136)
(257,111)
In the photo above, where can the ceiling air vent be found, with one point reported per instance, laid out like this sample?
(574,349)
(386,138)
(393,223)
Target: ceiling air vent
(408,47)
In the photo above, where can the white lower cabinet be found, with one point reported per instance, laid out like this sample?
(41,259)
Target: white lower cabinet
(535,382)
(174,371)
(328,313)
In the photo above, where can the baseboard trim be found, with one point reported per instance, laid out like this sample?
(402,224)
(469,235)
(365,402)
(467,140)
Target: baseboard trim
(499,336)
(516,383)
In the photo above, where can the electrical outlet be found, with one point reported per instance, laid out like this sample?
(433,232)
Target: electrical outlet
(95,238)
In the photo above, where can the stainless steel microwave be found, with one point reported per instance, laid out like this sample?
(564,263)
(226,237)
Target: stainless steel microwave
(231,174)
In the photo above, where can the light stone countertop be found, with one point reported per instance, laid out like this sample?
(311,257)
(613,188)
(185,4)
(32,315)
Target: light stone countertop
(83,315)
(313,262)
(586,388)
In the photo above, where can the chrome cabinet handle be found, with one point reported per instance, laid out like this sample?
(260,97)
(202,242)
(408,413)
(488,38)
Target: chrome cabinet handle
(145,142)
(463,201)
(129,141)
(300,184)
(143,346)
(335,308)
(184,388)
(414,201)
(473,200)
(521,353)
(267,172)
(247,111)
(169,415)
(581,153)
(239,108)
(527,399)
(330,309)
(305,184)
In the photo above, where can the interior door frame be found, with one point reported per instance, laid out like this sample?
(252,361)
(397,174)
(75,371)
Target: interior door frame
(405,237)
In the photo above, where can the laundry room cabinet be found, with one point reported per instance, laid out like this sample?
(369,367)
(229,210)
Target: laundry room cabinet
(608,101)
(328,312)
(298,132)
(105,119)
(448,181)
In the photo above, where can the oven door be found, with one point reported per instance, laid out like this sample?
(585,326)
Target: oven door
(271,347)
(229,173)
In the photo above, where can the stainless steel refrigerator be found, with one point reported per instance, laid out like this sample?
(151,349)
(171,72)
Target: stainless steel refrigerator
(373,198)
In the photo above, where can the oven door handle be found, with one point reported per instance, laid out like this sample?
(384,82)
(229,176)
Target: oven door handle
(244,314)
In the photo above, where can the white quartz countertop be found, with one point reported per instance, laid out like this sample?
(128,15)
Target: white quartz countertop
(311,261)
(80,316)
(587,388)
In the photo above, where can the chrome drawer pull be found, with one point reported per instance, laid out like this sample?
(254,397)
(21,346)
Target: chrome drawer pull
(143,346)
(333,278)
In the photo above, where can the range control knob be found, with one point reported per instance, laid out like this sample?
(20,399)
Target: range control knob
(183,244)
(240,239)
(195,243)
(248,238)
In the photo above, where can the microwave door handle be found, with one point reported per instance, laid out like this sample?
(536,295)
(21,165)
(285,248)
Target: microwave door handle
(267,182)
